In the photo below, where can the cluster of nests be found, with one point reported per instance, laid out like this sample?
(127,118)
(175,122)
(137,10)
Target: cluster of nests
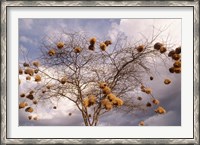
(60,45)
(146,90)
(23,105)
(30,117)
(176,56)
(28,96)
(103,45)
(160,47)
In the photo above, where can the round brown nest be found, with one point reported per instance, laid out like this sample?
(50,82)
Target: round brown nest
(177,64)
(139,98)
(148,91)
(48,86)
(111,97)
(30,117)
(104,102)
(177,70)
(160,110)
(178,50)
(63,80)
(29,71)
(30,96)
(176,56)
(28,78)
(29,109)
(70,114)
(102,85)
(141,123)
(89,115)
(22,95)
(140,48)
(158,45)
(36,71)
(155,101)
(103,46)
(22,105)
(151,78)
(108,42)
(106,90)
(86,102)
(108,106)
(91,47)
(92,99)
(119,101)
(93,41)
(167,81)
(20,71)
(54,107)
(148,104)
(26,64)
(31,92)
(51,52)
(36,63)
(35,102)
(60,45)
(163,49)
(142,87)
(171,53)
(77,50)
(171,69)
(38,78)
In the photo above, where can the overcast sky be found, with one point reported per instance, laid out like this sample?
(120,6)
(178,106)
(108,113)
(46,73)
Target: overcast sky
(31,31)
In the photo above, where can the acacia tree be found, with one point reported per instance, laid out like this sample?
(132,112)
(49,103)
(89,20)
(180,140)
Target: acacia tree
(96,75)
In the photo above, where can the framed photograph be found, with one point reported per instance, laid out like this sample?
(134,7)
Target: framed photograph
(100,72)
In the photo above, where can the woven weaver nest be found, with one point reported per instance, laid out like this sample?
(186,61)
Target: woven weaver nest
(60,45)
(163,49)
(63,80)
(91,47)
(36,63)
(167,81)
(77,50)
(36,71)
(35,102)
(104,101)
(29,71)
(26,64)
(171,53)
(158,45)
(160,110)
(29,109)
(30,96)
(117,101)
(38,78)
(140,48)
(177,64)
(108,42)
(20,71)
(22,105)
(22,95)
(148,104)
(86,102)
(51,52)
(171,69)
(106,90)
(141,123)
(102,85)
(30,117)
(177,70)
(28,78)
(102,46)
(151,78)
(111,97)
(155,101)
(139,98)
(108,106)
(178,50)
(148,90)
(93,41)
(92,100)
(176,56)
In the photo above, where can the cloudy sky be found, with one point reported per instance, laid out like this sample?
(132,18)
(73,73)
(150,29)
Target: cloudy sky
(32,31)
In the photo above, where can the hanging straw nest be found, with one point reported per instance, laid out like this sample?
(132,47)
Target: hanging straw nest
(20,71)
(77,50)
(28,78)
(102,85)
(29,109)
(141,123)
(155,101)
(148,104)
(176,56)
(38,78)
(108,106)
(36,71)
(177,64)
(93,41)
(167,81)
(29,71)
(151,78)
(106,90)
(103,46)
(111,97)
(22,95)
(92,99)
(63,80)
(178,50)
(30,117)
(51,52)
(60,45)
(171,69)
(26,64)
(140,48)
(35,102)
(119,101)
(108,42)
(91,47)
(160,110)
(158,45)
(148,90)
(22,105)
(30,96)
(54,107)
(104,102)
(139,98)
(35,118)
(36,63)
(86,102)
(177,70)
(171,53)
(163,49)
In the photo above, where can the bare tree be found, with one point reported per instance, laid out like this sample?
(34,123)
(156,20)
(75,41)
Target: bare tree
(96,75)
